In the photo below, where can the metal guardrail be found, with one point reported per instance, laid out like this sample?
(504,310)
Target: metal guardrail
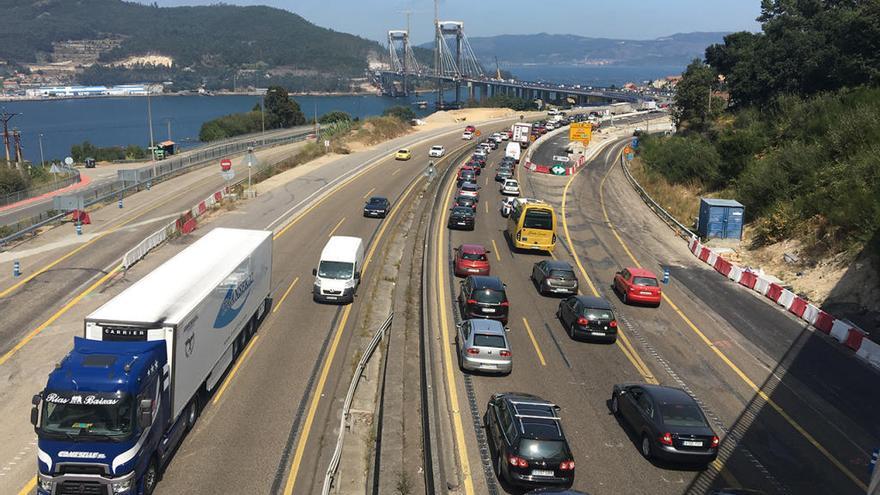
(119,189)
(664,215)
(17,196)
(138,252)
(346,407)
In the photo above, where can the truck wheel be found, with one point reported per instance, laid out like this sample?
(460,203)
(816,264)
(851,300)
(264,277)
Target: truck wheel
(150,478)
(192,413)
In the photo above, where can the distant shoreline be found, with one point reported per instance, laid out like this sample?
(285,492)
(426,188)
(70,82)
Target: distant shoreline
(7,98)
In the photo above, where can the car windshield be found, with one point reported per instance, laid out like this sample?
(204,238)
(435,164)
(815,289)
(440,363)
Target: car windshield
(563,274)
(483,340)
(339,270)
(538,219)
(403,151)
(469,187)
(463,212)
(682,415)
(87,416)
(474,256)
(646,281)
(377,201)
(542,449)
(438,148)
(511,183)
(489,296)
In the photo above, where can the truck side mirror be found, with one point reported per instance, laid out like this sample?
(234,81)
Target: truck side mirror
(145,413)
(35,415)
(35,400)
(314,272)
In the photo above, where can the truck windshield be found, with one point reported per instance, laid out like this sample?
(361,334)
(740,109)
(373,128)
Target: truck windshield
(87,416)
(339,270)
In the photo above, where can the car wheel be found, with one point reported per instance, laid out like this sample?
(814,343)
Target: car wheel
(615,405)
(625,299)
(150,478)
(571,331)
(646,447)
(497,466)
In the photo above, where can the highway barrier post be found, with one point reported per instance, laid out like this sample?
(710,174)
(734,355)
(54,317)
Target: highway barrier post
(79,228)
(16,269)
(665,275)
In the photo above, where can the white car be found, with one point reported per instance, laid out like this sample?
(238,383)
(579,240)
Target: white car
(510,187)
(497,137)
(485,147)
(467,135)
(437,151)
(507,206)
(481,152)
(505,136)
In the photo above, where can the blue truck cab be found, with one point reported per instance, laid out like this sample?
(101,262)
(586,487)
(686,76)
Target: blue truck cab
(104,404)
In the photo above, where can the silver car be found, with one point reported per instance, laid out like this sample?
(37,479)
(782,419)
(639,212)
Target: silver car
(483,346)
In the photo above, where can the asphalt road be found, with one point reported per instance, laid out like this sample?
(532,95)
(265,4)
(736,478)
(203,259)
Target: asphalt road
(795,412)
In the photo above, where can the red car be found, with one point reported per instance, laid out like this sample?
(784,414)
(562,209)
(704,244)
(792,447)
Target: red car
(637,285)
(471,259)
(470,128)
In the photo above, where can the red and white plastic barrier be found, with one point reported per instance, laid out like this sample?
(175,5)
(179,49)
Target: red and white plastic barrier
(843,331)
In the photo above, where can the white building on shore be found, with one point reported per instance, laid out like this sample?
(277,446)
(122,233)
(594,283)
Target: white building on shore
(86,91)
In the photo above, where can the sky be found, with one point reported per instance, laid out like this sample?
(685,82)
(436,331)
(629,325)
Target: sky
(627,19)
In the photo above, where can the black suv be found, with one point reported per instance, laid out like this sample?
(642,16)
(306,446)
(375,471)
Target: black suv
(527,442)
(462,217)
(483,297)
(588,316)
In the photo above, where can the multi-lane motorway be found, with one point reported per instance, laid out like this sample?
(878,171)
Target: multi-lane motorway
(795,413)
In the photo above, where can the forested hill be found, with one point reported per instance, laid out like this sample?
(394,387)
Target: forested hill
(214,36)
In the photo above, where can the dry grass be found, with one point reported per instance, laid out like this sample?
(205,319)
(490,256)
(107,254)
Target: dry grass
(681,201)
(378,129)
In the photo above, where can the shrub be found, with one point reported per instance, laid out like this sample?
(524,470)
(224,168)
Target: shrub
(400,112)
(683,159)
(11,180)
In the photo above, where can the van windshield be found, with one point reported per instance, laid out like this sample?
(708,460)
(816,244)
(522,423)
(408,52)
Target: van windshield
(339,270)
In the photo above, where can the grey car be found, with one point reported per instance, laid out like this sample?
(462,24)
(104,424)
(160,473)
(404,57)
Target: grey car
(503,173)
(554,277)
(483,346)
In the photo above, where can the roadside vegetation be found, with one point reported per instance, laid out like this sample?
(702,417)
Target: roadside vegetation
(14,180)
(79,152)
(280,111)
(504,101)
(786,121)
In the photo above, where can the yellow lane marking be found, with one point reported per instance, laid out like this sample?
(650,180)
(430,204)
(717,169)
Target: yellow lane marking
(29,488)
(281,301)
(337,226)
(495,250)
(64,309)
(313,405)
(741,374)
(534,342)
(467,480)
(325,370)
(369,192)
(622,342)
(234,370)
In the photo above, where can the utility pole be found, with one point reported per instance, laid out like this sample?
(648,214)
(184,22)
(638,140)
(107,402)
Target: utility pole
(169,129)
(316,121)
(6,117)
(150,124)
(42,160)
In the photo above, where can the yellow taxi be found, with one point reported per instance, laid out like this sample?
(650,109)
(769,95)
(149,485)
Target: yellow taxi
(403,154)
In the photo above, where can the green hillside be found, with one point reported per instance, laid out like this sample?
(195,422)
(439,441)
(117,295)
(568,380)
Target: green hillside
(204,39)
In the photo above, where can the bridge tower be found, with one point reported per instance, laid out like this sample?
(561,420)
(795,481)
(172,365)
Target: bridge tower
(403,59)
(457,65)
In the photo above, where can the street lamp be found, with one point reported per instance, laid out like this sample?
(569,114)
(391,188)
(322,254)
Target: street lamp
(250,162)
(42,160)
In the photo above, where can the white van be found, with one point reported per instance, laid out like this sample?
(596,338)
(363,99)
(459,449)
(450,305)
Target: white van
(339,270)
(512,150)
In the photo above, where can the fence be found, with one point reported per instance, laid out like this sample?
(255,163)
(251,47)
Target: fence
(346,407)
(664,215)
(17,196)
(110,191)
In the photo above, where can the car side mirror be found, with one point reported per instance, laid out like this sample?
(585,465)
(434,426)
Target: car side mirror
(145,413)
(357,275)
(314,272)
(488,252)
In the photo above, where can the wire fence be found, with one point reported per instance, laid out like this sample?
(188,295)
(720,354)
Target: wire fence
(71,177)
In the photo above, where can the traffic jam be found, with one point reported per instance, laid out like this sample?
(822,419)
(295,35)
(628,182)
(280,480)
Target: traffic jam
(505,267)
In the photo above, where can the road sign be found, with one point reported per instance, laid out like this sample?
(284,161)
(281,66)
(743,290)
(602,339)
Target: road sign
(68,161)
(560,158)
(55,169)
(580,131)
(477,133)
(326,143)
(558,169)
(68,202)
(228,175)
(225,164)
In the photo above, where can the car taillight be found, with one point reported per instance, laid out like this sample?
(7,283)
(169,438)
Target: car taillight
(566,465)
(715,441)
(517,461)
(472,351)
(505,303)
(507,354)
(472,301)
(582,321)
(613,324)
(666,438)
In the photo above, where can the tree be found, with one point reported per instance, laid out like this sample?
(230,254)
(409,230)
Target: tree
(333,117)
(692,96)
(281,109)
(400,112)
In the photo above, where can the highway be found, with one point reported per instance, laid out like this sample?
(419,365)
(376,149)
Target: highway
(795,413)
(303,346)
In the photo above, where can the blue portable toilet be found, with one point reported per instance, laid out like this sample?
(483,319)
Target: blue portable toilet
(720,219)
